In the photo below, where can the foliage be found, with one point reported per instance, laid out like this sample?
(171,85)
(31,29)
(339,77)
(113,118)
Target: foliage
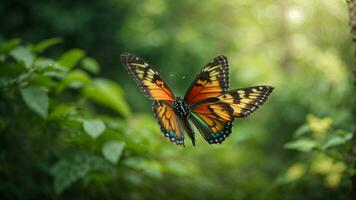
(74,126)
(48,116)
(326,150)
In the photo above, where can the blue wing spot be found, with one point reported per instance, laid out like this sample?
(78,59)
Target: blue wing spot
(220,136)
(173,138)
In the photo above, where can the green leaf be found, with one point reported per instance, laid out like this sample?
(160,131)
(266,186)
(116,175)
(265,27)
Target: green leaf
(24,55)
(61,111)
(70,58)
(75,167)
(75,79)
(44,81)
(149,167)
(334,141)
(302,130)
(67,173)
(47,65)
(43,45)
(338,138)
(91,65)
(109,94)
(36,99)
(112,150)
(177,167)
(8,46)
(4,82)
(94,127)
(43,63)
(304,145)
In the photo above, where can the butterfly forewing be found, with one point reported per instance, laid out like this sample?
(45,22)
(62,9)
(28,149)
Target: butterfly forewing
(148,80)
(211,81)
(246,100)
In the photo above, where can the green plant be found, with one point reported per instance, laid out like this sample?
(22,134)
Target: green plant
(53,138)
(324,152)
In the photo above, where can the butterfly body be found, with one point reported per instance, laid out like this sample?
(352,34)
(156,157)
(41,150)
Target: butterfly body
(181,108)
(208,104)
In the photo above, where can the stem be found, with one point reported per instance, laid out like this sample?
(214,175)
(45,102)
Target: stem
(352,14)
(286,37)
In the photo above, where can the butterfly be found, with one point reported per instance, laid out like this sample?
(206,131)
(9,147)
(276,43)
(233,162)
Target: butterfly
(208,104)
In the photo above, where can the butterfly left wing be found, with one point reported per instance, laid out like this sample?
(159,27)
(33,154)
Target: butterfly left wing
(148,80)
(171,125)
(213,120)
(212,81)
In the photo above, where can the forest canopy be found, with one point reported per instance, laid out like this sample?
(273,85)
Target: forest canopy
(73,125)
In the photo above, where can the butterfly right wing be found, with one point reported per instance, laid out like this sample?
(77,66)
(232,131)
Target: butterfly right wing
(147,79)
(214,116)
(171,125)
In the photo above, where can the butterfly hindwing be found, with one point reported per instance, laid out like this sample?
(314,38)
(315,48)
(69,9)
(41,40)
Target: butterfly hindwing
(171,124)
(246,100)
(213,120)
(211,81)
(148,80)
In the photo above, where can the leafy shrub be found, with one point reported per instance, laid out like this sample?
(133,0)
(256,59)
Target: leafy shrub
(67,133)
(324,153)
(61,128)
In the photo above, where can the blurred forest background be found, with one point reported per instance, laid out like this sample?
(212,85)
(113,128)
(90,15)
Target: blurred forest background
(73,125)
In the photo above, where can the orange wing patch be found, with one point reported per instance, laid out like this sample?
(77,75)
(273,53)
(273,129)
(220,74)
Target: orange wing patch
(213,120)
(211,82)
(246,100)
(171,126)
(214,111)
(147,79)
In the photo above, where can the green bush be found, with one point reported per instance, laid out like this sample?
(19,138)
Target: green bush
(53,138)
(67,132)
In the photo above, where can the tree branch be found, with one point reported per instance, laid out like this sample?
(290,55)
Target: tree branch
(352,14)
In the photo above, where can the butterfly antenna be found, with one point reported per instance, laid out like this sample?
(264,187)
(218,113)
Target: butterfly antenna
(171,82)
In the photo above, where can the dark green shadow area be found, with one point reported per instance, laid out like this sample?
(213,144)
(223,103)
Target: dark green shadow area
(73,125)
